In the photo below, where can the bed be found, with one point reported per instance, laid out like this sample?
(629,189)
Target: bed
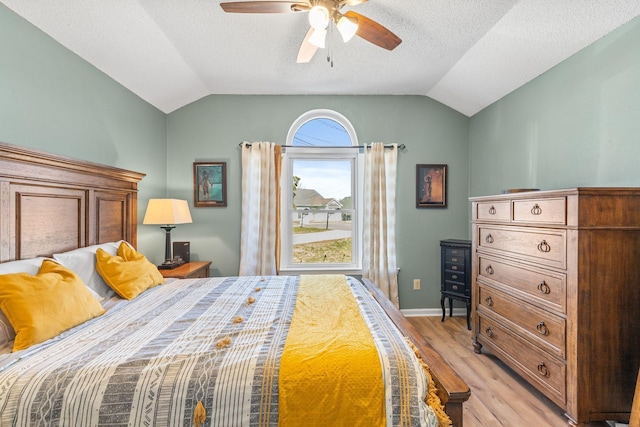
(55,205)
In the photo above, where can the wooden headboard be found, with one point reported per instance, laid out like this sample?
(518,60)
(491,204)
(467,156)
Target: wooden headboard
(51,204)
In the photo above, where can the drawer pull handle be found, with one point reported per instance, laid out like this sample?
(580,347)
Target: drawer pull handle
(489,301)
(542,329)
(454,267)
(454,287)
(489,238)
(544,246)
(544,288)
(543,370)
(536,210)
(489,332)
(454,259)
(454,277)
(489,270)
(492,210)
(454,252)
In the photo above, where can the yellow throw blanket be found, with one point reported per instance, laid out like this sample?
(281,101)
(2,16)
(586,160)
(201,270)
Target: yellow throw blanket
(330,371)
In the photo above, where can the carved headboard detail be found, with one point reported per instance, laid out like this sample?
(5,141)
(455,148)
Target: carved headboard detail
(51,204)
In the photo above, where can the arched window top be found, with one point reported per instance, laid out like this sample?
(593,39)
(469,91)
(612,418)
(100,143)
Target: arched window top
(322,128)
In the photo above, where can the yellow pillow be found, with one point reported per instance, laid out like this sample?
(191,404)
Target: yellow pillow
(42,306)
(129,273)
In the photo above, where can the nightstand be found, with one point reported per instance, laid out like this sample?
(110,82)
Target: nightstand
(189,270)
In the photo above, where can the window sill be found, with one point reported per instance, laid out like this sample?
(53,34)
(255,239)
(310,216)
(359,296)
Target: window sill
(302,271)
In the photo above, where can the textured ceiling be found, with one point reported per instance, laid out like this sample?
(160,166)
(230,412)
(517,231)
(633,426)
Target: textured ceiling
(463,53)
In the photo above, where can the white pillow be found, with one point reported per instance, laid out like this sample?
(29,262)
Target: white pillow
(82,261)
(31,266)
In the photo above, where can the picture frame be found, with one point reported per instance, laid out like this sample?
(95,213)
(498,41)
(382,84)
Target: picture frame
(209,184)
(431,186)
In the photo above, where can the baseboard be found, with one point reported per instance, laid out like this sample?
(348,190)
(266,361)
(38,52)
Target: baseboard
(423,312)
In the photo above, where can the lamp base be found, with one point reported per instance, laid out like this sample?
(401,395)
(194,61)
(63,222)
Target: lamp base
(168,265)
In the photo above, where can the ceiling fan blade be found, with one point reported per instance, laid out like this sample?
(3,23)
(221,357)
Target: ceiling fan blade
(307,49)
(351,2)
(373,32)
(263,6)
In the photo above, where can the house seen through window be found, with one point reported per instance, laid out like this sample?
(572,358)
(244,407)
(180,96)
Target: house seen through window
(321,192)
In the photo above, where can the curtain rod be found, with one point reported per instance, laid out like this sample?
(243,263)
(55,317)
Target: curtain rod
(400,146)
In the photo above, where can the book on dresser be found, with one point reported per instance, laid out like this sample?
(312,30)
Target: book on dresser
(556,294)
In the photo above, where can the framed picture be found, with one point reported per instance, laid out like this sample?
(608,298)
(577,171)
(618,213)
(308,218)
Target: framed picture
(209,184)
(431,186)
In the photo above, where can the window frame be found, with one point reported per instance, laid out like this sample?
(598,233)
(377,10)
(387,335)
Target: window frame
(291,153)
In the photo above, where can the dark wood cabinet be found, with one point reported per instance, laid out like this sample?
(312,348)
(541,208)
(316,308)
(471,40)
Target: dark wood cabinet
(455,268)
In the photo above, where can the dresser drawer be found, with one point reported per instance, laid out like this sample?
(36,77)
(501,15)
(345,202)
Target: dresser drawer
(548,288)
(493,211)
(455,281)
(454,267)
(199,274)
(454,256)
(541,211)
(543,370)
(547,328)
(547,247)
(454,276)
(456,288)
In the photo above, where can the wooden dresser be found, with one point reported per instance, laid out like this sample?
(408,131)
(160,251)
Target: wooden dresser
(556,293)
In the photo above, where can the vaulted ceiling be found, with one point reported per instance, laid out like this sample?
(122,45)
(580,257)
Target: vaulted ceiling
(465,54)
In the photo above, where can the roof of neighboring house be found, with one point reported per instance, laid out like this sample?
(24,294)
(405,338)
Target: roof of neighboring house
(311,198)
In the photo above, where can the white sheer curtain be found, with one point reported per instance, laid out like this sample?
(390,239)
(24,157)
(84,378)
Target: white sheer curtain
(379,232)
(260,193)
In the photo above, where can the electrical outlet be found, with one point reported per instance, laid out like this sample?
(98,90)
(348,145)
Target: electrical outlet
(416,284)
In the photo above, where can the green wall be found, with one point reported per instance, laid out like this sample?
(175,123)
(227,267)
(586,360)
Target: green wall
(212,128)
(576,125)
(52,100)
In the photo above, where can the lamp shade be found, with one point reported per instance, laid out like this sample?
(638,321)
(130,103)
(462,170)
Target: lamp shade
(347,27)
(318,37)
(167,211)
(319,17)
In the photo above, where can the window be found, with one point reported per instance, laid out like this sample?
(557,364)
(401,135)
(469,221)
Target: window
(321,195)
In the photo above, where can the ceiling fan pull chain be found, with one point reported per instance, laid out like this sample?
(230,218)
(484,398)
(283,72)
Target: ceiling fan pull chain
(330,48)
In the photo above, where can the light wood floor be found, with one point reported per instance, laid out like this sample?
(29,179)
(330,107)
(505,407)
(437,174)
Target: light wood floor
(499,397)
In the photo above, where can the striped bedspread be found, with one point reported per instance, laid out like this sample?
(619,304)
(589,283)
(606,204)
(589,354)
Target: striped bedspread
(148,362)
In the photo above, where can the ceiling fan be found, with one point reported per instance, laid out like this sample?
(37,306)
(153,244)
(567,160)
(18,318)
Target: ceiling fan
(321,13)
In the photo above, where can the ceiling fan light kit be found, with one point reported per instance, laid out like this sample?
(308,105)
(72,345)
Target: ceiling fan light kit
(321,12)
(319,17)
(347,27)
(318,37)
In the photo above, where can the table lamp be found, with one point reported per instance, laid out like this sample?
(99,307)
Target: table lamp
(168,212)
